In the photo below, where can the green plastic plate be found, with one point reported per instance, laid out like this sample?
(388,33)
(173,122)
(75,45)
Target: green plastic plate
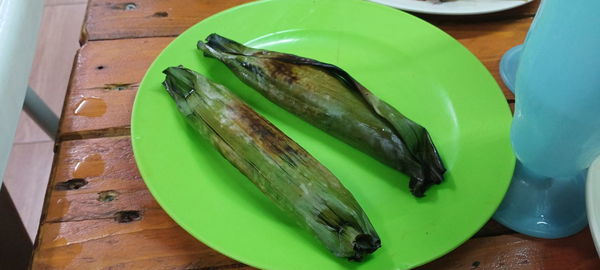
(407,62)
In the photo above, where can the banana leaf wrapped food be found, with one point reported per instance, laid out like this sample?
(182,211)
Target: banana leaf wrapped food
(329,98)
(286,173)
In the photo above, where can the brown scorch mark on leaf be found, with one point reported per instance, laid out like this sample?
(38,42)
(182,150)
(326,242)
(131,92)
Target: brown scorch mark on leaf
(283,70)
(274,141)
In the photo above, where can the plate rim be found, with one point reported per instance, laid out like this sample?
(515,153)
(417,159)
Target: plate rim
(450,12)
(593,209)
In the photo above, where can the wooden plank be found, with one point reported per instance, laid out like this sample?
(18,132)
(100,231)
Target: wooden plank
(108,73)
(516,251)
(110,19)
(100,215)
(154,242)
(117,19)
(106,65)
(109,182)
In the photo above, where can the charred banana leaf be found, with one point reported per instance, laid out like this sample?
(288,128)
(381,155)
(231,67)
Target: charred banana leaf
(279,167)
(329,98)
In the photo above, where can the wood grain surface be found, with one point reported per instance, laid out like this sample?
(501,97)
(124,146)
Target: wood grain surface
(106,71)
(516,251)
(118,19)
(105,217)
(98,213)
(110,72)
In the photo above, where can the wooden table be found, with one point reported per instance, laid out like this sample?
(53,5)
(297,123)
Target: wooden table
(98,213)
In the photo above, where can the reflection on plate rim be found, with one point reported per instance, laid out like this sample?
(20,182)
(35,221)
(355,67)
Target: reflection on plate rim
(403,6)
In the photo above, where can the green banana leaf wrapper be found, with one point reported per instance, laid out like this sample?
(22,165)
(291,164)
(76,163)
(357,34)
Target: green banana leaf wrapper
(329,98)
(286,173)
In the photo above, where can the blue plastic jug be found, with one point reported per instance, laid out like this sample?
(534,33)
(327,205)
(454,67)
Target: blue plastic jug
(556,127)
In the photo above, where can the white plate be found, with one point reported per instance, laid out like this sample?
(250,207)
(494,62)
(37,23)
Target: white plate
(592,198)
(455,7)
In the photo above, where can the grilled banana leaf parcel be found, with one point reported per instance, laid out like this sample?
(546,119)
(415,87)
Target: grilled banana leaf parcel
(287,174)
(329,98)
